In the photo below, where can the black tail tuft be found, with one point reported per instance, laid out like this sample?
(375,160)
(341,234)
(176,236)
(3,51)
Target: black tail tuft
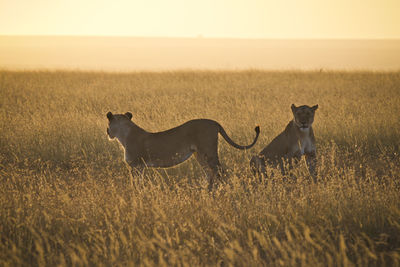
(257,129)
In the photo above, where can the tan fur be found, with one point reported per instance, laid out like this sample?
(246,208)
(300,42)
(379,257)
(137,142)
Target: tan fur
(169,148)
(296,140)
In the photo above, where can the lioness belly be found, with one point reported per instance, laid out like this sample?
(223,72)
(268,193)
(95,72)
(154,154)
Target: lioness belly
(172,160)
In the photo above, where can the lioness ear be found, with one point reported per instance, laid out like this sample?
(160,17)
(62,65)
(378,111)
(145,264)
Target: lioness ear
(314,108)
(110,115)
(293,107)
(129,115)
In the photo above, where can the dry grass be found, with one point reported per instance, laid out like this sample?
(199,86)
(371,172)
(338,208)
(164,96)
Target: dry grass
(65,197)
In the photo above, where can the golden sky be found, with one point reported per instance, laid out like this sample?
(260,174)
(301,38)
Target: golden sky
(207,18)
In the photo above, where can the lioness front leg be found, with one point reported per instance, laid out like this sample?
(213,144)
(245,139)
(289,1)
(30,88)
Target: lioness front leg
(136,172)
(311,160)
(287,162)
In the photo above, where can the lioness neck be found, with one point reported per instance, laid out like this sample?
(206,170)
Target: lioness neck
(128,129)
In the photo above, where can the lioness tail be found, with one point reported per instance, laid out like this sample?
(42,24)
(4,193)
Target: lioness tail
(230,141)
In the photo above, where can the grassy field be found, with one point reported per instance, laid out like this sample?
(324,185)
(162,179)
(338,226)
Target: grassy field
(66,198)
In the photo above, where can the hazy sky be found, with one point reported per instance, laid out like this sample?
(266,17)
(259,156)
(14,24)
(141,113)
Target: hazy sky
(208,18)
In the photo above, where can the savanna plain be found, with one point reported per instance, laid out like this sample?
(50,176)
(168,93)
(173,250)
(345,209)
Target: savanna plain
(67,198)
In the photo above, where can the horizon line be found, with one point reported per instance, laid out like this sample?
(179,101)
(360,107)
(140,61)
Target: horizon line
(200,37)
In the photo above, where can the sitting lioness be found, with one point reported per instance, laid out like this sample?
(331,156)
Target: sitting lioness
(168,148)
(296,140)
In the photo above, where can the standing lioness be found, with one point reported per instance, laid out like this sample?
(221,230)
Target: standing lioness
(168,148)
(296,140)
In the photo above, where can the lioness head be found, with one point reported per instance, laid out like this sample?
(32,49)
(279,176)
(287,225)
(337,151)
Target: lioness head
(117,123)
(304,116)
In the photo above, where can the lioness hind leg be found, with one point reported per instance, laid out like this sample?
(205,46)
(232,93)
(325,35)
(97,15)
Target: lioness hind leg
(257,166)
(211,166)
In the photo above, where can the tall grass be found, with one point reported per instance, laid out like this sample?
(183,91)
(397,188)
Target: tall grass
(65,192)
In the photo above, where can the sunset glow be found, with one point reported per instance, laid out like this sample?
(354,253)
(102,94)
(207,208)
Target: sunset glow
(206,18)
